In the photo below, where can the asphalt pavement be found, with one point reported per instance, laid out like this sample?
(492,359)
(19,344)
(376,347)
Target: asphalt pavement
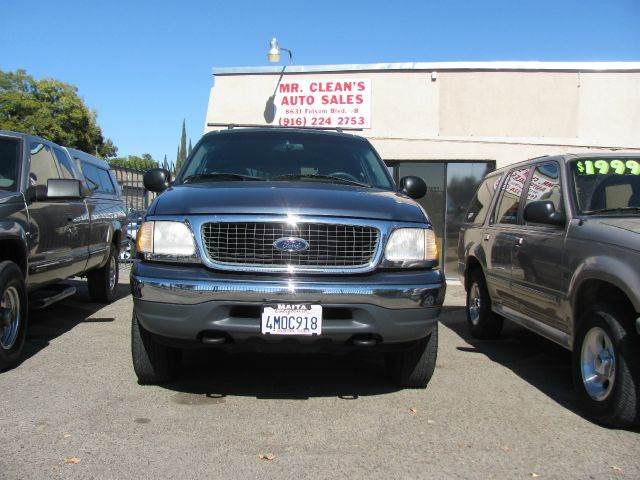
(494,409)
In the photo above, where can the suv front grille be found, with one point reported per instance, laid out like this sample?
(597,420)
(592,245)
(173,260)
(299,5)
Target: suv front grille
(251,243)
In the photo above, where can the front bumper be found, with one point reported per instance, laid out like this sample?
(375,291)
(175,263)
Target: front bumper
(188,303)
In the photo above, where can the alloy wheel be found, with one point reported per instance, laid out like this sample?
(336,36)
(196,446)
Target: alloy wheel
(126,253)
(113,273)
(475,304)
(10,305)
(598,364)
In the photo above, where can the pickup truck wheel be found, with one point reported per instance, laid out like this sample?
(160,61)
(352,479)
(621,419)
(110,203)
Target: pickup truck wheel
(13,314)
(103,281)
(483,323)
(413,368)
(606,366)
(152,362)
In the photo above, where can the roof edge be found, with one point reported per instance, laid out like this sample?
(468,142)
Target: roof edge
(430,66)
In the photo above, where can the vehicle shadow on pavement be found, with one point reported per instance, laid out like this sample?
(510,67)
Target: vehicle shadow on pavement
(216,374)
(536,360)
(56,320)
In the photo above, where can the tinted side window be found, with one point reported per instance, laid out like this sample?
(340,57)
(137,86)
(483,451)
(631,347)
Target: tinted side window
(506,210)
(65,164)
(545,185)
(114,181)
(479,206)
(9,162)
(106,186)
(91,174)
(43,165)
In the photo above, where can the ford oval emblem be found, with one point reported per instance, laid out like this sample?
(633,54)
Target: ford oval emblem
(291,244)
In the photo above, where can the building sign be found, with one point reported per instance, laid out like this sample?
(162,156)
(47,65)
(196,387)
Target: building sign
(308,102)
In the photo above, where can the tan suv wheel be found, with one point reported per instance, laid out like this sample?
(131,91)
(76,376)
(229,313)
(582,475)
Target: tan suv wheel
(606,366)
(483,323)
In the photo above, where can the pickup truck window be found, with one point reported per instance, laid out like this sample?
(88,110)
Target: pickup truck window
(43,165)
(65,164)
(9,161)
(98,178)
(106,185)
(479,206)
(604,185)
(545,185)
(506,210)
(286,156)
(90,173)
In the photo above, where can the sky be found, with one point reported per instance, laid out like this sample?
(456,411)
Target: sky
(144,65)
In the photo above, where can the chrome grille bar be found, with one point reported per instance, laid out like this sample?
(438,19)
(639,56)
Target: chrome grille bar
(251,243)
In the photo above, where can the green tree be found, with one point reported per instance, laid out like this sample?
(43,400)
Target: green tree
(165,163)
(144,162)
(182,149)
(190,147)
(51,109)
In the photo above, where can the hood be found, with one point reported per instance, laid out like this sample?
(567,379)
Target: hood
(238,198)
(10,197)
(621,231)
(630,224)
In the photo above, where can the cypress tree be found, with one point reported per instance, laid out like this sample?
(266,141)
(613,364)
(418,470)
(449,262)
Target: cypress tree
(183,143)
(190,147)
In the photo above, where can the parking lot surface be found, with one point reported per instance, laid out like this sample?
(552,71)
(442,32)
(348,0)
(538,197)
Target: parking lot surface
(494,409)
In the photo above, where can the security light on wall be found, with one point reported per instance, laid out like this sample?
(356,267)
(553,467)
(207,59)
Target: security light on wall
(274,51)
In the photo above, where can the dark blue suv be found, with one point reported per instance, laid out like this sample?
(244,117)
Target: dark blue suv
(286,240)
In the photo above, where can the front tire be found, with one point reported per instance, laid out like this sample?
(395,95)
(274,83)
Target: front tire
(153,362)
(483,323)
(414,368)
(13,314)
(606,366)
(103,282)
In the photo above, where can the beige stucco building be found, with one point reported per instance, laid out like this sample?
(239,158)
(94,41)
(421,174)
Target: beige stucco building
(444,121)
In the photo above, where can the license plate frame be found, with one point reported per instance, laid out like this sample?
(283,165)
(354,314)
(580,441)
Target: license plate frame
(291,319)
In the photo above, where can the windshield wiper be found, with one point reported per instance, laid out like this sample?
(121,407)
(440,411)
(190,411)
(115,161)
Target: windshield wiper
(219,176)
(316,176)
(613,210)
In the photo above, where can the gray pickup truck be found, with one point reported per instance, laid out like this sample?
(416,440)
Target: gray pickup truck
(56,222)
(286,240)
(553,244)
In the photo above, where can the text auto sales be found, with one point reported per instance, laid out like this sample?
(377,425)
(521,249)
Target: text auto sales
(327,99)
(324,103)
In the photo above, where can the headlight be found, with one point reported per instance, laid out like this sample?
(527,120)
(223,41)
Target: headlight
(165,240)
(411,247)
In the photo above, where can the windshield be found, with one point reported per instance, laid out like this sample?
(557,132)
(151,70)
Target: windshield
(286,156)
(9,160)
(607,185)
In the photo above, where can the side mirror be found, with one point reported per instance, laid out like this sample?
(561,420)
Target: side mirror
(413,186)
(64,188)
(544,212)
(156,180)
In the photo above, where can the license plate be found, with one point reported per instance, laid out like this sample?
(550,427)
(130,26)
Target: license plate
(292,319)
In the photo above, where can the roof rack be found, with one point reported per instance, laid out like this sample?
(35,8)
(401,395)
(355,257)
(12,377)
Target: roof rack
(231,126)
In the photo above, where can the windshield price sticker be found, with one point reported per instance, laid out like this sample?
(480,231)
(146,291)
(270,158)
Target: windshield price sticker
(607,167)
(329,103)
(292,319)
